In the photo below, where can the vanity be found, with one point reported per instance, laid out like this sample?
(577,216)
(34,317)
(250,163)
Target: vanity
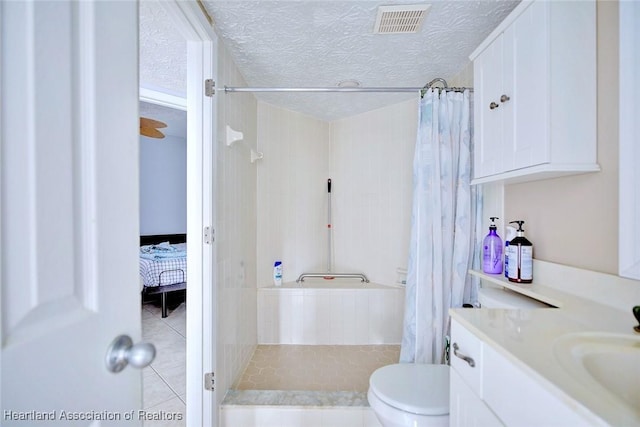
(575,363)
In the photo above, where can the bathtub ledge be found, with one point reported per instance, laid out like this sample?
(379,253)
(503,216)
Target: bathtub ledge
(301,398)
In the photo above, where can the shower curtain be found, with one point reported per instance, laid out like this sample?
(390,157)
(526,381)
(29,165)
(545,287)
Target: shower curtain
(443,232)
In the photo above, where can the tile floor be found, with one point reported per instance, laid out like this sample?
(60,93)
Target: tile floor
(163,382)
(315,367)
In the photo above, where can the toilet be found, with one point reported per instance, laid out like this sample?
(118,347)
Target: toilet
(410,394)
(417,395)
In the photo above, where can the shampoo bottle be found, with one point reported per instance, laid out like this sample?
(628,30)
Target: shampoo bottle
(492,250)
(520,257)
(511,234)
(277,273)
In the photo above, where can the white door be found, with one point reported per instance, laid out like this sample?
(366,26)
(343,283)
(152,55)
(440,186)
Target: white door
(527,53)
(69,210)
(488,71)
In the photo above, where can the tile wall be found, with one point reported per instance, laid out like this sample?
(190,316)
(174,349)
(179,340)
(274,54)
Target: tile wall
(292,192)
(235,221)
(330,316)
(369,159)
(372,166)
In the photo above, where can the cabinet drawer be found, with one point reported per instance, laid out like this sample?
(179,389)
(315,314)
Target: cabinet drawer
(466,350)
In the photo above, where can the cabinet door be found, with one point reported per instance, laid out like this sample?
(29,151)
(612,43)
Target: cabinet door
(522,401)
(465,407)
(525,99)
(488,121)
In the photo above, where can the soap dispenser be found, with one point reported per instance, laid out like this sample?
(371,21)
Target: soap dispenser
(520,257)
(492,250)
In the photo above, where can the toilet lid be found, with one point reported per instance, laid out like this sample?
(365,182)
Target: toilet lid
(417,388)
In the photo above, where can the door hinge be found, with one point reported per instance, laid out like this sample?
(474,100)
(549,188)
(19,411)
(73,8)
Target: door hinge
(208,235)
(209,87)
(209,381)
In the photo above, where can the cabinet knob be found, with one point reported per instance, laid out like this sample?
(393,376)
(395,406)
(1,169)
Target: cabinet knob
(493,106)
(504,98)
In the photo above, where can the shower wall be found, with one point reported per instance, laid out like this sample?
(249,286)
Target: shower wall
(291,192)
(371,163)
(235,225)
(369,159)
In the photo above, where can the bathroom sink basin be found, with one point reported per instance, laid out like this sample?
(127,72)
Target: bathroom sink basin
(606,363)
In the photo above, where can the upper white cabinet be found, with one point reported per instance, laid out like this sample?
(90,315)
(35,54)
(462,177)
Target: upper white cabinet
(535,94)
(629,92)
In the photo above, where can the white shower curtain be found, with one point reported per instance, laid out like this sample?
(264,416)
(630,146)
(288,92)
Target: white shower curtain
(443,232)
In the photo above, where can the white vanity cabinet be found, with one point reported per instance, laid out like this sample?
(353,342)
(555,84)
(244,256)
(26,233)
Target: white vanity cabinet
(497,392)
(535,94)
(466,408)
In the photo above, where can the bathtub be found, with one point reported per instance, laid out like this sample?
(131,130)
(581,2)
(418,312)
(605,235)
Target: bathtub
(330,312)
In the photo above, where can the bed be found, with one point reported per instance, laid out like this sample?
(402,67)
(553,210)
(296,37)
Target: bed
(163,266)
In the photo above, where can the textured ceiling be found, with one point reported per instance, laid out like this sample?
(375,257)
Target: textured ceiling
(163,66)
(320,43)
(163,51)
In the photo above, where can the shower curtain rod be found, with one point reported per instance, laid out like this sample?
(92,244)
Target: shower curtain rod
(422,89)
(336,89)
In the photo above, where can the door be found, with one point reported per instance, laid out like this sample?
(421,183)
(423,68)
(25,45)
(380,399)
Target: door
(69,211)
(527,53)
(488,72)
(466,408)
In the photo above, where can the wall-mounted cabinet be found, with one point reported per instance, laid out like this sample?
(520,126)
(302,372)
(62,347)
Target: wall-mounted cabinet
(629,211)
(535,94)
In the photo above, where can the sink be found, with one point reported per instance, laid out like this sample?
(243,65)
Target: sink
(608,364)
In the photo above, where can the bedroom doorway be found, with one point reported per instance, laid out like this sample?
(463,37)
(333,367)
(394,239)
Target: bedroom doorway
(198,323)
(163,256)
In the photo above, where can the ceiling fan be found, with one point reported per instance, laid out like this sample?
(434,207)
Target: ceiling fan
(149,127)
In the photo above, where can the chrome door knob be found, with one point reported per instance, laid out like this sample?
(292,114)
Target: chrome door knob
(504,98)
(493,106)
(122,352)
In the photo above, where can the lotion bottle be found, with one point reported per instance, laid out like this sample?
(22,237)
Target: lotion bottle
(277,273)
(492,250)
(511,234)
(520,257)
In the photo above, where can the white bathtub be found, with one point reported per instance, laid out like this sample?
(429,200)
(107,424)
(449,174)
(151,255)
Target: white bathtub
(330,312)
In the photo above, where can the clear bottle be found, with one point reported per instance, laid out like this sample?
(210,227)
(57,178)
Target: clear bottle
(277,273)
(492,250)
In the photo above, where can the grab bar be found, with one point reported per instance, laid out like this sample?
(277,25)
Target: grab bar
(360,276)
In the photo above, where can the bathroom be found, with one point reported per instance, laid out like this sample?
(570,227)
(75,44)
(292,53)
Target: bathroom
(578,222)
(276,208)
(371,198)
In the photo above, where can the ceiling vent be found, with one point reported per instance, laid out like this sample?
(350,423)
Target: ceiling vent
(400,19)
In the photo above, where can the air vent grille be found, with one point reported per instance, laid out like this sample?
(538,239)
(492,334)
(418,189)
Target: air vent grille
(400,19)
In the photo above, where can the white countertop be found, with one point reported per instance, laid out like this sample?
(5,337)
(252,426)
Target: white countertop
(526,337)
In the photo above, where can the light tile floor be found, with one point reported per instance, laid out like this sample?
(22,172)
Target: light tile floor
(315,367)
(164,384)
(324,368)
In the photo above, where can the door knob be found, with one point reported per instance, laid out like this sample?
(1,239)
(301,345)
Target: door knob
(504,98)
(493,106)
(122,352)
